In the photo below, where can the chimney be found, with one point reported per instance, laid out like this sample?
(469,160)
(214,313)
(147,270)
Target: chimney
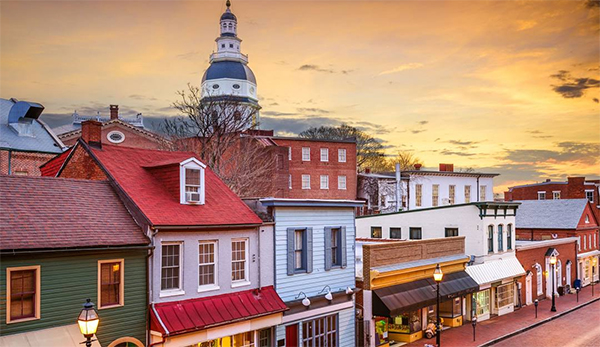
(442,167)
(547,180)
(418,166)
(447,167)
(114,112)
(91,133)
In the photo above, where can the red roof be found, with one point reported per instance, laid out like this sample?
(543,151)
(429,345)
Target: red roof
(151,180)
(172,318)
(44,212)
(51,167)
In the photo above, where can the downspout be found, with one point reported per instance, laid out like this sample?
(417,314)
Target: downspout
(398,187)
(259,261)
(9,163)
(149,272)
(478,197)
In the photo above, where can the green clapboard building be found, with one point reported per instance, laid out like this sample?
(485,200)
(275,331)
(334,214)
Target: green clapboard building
(63,241)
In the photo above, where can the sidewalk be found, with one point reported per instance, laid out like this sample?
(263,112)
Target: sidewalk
(523,318)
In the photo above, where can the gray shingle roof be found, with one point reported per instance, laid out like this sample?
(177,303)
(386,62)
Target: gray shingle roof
(550,214)
(40,141)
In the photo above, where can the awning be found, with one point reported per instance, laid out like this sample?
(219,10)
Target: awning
(495,270)
(64,336)
(172,318)
(394,300)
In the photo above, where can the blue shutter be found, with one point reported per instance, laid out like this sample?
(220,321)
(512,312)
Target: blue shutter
(290,251)
(343,247)
(309,250)
(327,248)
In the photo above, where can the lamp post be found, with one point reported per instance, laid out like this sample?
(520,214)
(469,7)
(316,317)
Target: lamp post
(88,322)
(553,263)
(437,276)
(474,323)
(535,303)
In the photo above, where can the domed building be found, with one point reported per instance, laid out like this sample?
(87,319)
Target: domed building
(228,76)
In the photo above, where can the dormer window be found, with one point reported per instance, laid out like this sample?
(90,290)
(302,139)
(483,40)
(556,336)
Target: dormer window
(192,182)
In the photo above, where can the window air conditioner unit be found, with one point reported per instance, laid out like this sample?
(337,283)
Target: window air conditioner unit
(193,197)
(445,202)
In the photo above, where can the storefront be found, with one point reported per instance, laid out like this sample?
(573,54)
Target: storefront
(402,312)
(588,267)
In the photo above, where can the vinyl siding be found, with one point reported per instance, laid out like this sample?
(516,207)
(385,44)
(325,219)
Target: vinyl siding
(67,279)
(346,326)
(288,286)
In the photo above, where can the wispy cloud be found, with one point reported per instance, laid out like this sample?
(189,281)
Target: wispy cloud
(573,87)
(317,68)
(403,67)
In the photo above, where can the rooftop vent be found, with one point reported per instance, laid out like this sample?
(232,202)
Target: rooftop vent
(21,116)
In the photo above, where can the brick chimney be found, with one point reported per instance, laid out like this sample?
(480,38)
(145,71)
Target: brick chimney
(114,112)
(575,188)
(418,166)
(447,167)
(91,133)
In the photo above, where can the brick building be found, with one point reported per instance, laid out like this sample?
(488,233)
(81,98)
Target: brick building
(25,141)
(535,258)
(573,188)
(563,218)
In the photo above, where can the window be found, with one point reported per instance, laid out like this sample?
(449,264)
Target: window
(342,182)
(490,238)
(290,181)
(279,161)
(299,259)
(23,293)
(541,195)
(336,247)
(376,232)
(192,185)
(504,295)
(170,266)
(415,233)
(290,153)
(467,194)
(435,195)
(115,136)
(418,194)
(324,154)
(20,173)
(320,332)
(482,190)
(342,155)
(192,182)
(584,243)
(509,236)
(500,236)
(207,261)
(241,340)
(324,181)
(556,195)
(538,274)
(239,263)
(305,181)
(264,338)
(589,194)
(395,233)
(111,279)
(450,232)
(483,302)
(587,218)
(579,243)
(305,153)
(451,194)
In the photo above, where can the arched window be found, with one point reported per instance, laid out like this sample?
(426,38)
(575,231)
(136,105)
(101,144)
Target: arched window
(126,342)
(500,247)
(509,232)
(538,273)
(490,239)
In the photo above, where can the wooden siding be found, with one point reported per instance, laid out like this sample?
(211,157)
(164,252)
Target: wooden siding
(67,279)
(288,286)
(346,326)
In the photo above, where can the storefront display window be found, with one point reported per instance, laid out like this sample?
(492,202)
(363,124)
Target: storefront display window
(482,299)
(240,340)
(381,330)
(451,308)
(409,322)
(504,295)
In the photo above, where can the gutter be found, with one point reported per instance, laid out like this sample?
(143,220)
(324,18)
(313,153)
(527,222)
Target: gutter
(77,249)
(207,227)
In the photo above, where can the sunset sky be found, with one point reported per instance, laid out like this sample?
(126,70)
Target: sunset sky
(502,86)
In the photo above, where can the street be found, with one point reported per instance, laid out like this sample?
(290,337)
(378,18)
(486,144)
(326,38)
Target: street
(580,328)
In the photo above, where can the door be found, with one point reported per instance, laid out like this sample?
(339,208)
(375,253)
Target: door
(568,274)
(528,290)
(291,335)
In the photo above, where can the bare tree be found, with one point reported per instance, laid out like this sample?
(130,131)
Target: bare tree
(407,161)
(219,129)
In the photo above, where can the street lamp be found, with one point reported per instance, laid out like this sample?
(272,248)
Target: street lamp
(88,322)
(553,263)
(474,323)
(437,276)
(535,303)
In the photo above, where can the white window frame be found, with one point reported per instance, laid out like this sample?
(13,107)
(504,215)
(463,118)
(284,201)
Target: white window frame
(539,279)
(290,153)
(540,195)
(452,194)
(307,177)
(193,164)
(215,263)
(482,193)
(341,155)
(246,280)
(325,154)
(173,291)
(590,192)
(324,181)
(418,195)
(38,287)
(290,181)
(556,195)
(587,218)
(305,153)
(121,283)
(467,194)
(435,195)
(342,182)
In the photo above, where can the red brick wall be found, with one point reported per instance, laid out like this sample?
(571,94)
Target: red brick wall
(23,162)
(132,138)
(315,168)
(546,234)
(529,257)
(82,166)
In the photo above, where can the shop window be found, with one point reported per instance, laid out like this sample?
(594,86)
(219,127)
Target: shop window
(395,233)
(504,295)
(265,337)
(451,308)
(406,323)
(450,232)
(482,299)
(415,233)
(320,332)
(381,330)
(376,232)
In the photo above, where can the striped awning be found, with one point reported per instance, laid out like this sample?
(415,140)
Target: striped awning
(495,270)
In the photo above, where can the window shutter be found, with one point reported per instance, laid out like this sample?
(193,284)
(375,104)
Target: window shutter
(327,248)
(343,250)
(290,251)
(309,250)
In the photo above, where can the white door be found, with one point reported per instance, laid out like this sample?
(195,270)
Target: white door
(568,274)
(528,293)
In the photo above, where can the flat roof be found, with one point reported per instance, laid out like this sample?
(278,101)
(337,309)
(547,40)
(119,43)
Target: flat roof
(480,204)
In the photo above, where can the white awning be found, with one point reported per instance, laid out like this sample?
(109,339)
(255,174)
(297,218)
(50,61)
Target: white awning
(588,254)
(495,270)
(65,336)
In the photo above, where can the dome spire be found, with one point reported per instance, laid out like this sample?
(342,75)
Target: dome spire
(228,4)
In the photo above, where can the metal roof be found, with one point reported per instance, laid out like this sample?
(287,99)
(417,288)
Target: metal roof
(550,214)
(422,262)
(39,139)
(495,270)
(229,69)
